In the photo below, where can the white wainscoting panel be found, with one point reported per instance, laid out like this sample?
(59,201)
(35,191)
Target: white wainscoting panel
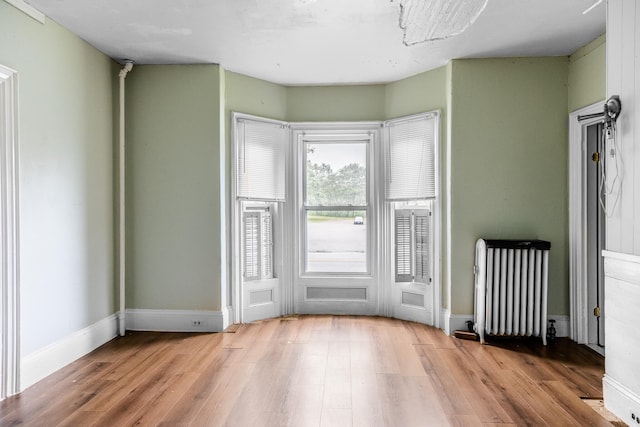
(623,79)
(621,384)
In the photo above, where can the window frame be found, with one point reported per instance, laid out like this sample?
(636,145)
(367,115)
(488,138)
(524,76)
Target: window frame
(290,240)
(336,138)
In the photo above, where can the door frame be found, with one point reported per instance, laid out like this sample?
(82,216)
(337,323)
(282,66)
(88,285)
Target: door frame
(578,284)
(9,245)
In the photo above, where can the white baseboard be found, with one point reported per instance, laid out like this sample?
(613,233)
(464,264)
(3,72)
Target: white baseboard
(456,322)
(444,320)
(227,316)
(176,320)
(621,401)
(59,354)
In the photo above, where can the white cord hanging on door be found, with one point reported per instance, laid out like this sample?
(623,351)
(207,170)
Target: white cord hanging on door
(612,187)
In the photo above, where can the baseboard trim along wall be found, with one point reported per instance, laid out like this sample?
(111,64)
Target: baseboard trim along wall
(458,322)
(49,359)
(176,320)
(620,400)
(59,354)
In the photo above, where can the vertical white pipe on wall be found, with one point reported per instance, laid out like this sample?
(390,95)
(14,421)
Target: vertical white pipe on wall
(121,204)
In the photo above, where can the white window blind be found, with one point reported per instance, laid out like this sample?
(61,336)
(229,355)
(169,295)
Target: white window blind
(421,246)
(410,164)
(251,249)
(257,248)
(266,239)
(403,246)
(412,245)
(260,159)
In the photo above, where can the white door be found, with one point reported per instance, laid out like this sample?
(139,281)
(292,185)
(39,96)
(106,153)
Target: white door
(260,280)
(412,288)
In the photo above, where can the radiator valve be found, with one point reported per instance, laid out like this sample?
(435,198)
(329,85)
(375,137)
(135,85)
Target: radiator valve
(551,331)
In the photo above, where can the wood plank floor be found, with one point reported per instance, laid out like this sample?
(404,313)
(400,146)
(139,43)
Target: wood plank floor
(317,371)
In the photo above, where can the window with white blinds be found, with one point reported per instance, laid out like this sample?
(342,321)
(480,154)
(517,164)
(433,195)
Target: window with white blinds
(412,245)
(257,248)
(411,157)
(260,159)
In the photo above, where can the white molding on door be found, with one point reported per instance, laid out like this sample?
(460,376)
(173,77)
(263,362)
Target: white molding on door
(9,246)
(579,331)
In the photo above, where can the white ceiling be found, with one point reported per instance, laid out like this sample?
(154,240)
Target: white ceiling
(317,42)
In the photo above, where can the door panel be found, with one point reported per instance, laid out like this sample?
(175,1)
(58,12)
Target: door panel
(261,285)
(594,165)
(261,299)
(412,289)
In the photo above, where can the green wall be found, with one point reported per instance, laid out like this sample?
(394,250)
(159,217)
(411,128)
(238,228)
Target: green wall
(66,178)
(422,92)
(336,103)
(254,96)
(508,156)
(587,83)
(173,187)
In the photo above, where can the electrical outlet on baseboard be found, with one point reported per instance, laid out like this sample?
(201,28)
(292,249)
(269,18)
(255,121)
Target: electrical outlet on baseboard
(197,322)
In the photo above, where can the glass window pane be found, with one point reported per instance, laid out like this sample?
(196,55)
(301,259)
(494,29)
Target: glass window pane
(336,174)
(336,242)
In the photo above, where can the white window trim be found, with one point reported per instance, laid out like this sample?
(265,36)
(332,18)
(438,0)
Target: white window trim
(10,248)
(387,251)
(235,243)
(381,269)
(320,130)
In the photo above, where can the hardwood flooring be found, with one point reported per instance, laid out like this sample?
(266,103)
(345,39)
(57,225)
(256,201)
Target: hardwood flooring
(317,371)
